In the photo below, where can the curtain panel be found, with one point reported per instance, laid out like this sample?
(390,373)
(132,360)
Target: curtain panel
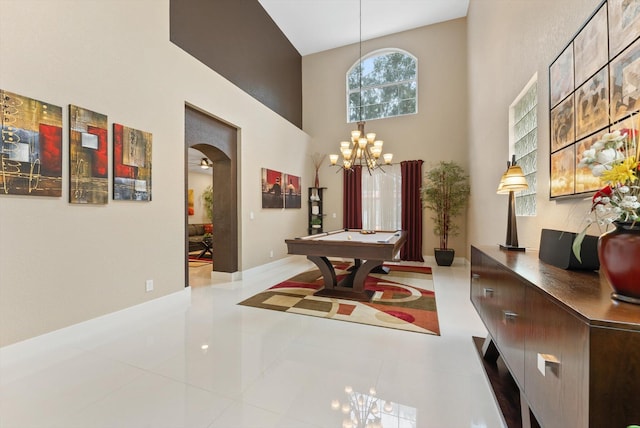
(412,210)
(352,198)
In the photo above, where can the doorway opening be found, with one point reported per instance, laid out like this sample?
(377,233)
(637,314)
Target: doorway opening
(216,142)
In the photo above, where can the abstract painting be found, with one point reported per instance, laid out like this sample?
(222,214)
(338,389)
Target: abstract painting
(585,180)
(191,202)
(131,164)
(30,147)
(562,172)
(591,47)
(272,192)
(88,158)
(562,124)
(592,105)
(624,24)
(293,191)
(625,82)
(561,76)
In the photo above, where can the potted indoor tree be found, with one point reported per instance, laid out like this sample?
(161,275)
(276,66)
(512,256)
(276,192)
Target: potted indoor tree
(445,192)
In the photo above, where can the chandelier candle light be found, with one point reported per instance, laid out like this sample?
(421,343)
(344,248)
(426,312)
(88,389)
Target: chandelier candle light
(363,149)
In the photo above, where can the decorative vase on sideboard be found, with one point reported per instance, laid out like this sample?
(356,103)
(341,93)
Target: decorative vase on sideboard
(619,253)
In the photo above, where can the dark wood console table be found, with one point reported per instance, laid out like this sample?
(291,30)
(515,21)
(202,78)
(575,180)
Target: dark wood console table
(572,352)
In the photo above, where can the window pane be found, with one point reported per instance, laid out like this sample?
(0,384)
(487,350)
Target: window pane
(382,186)
(525,133)
(389,86)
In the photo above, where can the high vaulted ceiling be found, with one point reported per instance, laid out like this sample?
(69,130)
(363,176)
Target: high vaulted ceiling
(318,25)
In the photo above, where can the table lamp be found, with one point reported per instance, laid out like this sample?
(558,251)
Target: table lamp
(512,180)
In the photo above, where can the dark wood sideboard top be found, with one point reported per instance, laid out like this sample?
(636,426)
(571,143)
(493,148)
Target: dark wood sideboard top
(587,294)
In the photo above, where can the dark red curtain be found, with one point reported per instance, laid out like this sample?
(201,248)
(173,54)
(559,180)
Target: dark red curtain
(352,198)
(412,210)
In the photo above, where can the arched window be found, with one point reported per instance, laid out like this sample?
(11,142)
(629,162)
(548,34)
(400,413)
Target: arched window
(387,86)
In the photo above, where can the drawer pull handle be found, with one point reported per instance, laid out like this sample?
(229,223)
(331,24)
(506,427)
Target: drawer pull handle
(488,292)
(509,316)
(548,361)
(475,276)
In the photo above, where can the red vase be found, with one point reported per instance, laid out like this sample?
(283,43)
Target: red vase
(619,253)
(317,180)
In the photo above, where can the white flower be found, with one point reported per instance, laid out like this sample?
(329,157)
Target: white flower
(607,156)
(588,157)
(623,189)
(597,170)
(612,136)
(629,203)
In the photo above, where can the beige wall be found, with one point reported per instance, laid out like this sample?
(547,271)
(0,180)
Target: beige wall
(438,132)
(62,264)
(509,42)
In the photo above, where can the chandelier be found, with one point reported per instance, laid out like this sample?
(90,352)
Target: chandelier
(364,410)
(363,149)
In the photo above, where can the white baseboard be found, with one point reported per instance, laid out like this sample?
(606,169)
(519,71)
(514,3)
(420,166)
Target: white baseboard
(259,270)
(124,318)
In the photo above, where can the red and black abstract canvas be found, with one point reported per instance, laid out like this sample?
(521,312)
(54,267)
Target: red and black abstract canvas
(131,164)
(30,146)
(272,191)
(88,157)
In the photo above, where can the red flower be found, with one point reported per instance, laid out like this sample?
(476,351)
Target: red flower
(602,193)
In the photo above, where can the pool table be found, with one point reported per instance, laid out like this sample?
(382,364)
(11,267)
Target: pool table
(374,247)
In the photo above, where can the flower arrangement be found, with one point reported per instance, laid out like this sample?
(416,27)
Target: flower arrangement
(317,160)
(614,159)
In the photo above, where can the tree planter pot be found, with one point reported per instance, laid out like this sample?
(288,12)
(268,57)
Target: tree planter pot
(444,257)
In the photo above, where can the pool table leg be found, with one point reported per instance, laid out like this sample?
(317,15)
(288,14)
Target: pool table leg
(326,269)
(362,273)
(351,287)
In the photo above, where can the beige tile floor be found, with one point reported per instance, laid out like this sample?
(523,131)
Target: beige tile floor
(197,359)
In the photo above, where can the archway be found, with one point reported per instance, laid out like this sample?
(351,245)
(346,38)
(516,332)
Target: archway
(218,141)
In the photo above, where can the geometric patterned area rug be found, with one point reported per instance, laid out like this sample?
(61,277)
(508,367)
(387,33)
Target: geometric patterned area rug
(403,299)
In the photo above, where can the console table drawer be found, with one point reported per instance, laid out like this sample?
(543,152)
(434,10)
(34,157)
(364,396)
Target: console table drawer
(483,288)
(556,364)
(498,296)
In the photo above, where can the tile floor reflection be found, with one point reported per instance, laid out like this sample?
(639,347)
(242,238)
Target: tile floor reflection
(197,359)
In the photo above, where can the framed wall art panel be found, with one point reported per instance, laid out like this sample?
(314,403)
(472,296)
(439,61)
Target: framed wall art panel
(131,164)
(272,192)
(88,157)
(624,24)
(30,146)
(592,105)
(590,46)
(563,172)
(293,191)
(625,82)
(563,124)
(585,181)
(561,80)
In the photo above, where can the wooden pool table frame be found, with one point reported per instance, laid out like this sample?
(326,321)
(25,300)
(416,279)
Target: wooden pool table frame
(352,286)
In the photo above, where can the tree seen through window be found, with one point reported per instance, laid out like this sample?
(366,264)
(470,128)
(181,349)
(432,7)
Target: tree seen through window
(387,86)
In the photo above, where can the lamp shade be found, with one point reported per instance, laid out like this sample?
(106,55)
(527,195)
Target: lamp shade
(512,181)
